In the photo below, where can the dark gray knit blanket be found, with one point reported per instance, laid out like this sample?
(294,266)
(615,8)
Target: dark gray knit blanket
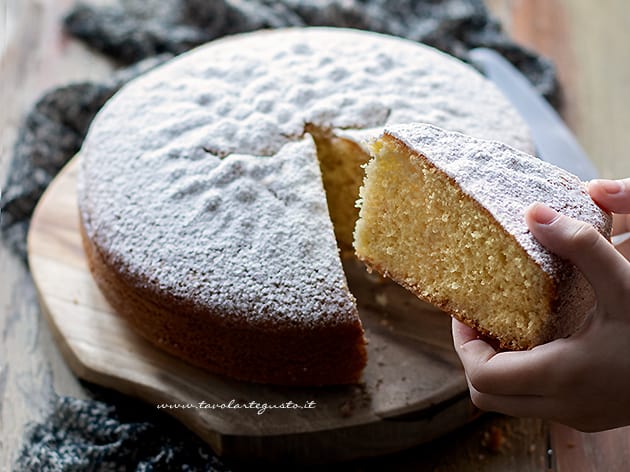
(111,432)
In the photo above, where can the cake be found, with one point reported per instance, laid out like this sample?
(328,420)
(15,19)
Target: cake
(442,214)
(217,192)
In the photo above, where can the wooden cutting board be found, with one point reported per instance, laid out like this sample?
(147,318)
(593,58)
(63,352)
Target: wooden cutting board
(413,390)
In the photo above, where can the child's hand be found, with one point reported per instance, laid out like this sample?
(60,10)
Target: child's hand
(614,197)
(584,380)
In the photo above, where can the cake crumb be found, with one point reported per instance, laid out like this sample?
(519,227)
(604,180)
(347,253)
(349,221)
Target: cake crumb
(493,439)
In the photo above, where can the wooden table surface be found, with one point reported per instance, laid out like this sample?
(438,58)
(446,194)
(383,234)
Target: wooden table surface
(588,42)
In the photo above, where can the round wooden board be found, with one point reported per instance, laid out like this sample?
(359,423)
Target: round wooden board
(413,388)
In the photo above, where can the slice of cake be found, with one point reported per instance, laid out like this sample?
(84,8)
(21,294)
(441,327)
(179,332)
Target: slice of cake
(442,214)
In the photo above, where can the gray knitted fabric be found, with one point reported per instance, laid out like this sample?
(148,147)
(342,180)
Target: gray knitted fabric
(130,33)
(51,134)
(116,435)
(113,433)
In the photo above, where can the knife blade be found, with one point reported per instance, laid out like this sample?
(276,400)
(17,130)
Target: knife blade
(553,140)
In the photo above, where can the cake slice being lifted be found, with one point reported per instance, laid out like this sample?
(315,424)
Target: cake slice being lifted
(442,214)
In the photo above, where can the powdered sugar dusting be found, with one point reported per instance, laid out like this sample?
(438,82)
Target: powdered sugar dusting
(198,180)
(505,181)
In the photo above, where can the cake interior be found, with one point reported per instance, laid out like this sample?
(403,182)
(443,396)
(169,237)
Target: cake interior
(340,161)
(419,228)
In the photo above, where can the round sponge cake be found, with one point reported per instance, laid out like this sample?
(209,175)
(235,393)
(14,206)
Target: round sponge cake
(216,191)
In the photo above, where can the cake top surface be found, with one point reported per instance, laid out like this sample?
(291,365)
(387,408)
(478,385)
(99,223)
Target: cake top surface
(505,181)
(197,178)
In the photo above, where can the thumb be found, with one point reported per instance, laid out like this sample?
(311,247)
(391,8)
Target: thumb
(580,243)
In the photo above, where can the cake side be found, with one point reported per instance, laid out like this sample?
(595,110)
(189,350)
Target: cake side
(275,354)
(421,228)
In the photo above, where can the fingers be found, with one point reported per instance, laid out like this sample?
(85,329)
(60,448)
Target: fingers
(621,224)
(624,248)
(605,268)
(611,195)
(588,417)
(614,196)
(463,333)
(532,406)
(502,373)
